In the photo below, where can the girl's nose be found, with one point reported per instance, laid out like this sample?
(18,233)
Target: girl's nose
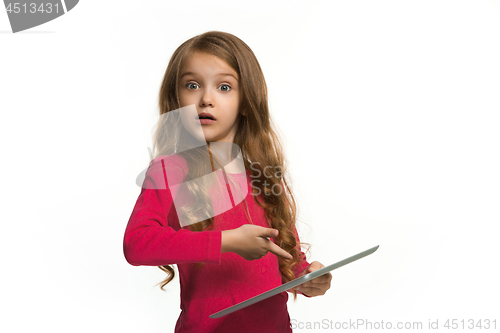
(206,99)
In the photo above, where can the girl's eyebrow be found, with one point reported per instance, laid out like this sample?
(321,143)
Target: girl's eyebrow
(220,74)
(227,74)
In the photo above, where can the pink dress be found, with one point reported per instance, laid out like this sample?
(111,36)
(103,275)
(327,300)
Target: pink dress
(154,237)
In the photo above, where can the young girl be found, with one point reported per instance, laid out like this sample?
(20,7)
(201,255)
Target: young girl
(225,253)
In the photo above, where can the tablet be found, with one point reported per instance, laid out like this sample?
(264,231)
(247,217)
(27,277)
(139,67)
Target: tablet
(292,283)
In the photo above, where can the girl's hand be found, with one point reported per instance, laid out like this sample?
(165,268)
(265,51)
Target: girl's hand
(251,242)
(317,286)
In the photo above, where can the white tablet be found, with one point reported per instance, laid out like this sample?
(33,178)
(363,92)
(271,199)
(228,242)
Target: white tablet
(292,283)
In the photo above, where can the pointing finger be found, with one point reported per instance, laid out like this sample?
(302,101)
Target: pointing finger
(279,251)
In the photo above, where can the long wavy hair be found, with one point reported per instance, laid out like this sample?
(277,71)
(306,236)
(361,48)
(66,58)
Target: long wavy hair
(255,139)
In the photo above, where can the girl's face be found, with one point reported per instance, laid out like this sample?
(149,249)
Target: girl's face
(212,86)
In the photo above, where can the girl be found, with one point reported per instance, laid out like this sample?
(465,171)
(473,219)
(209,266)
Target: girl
(224,255)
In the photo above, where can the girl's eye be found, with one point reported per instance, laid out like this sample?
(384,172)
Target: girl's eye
(225,87)
(191,84)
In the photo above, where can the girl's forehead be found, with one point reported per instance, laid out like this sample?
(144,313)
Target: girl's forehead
(198,60)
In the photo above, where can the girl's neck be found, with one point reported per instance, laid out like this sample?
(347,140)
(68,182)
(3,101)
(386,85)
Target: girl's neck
(223,151)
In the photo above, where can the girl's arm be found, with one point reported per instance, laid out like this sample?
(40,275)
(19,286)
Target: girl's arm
(150,241)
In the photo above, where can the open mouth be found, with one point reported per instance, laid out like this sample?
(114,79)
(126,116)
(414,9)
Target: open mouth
(206,115)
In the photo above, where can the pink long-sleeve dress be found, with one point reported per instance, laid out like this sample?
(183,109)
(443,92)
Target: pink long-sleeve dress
(154,237)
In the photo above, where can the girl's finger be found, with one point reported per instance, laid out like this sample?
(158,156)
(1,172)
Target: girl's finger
(319,284)
(310,290)
(279,251)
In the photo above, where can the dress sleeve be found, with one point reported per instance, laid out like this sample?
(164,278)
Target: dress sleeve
(150,241)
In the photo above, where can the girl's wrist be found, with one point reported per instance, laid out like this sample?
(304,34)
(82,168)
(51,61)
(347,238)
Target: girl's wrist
(226,241)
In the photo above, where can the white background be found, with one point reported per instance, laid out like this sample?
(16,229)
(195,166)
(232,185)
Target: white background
(390,115)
